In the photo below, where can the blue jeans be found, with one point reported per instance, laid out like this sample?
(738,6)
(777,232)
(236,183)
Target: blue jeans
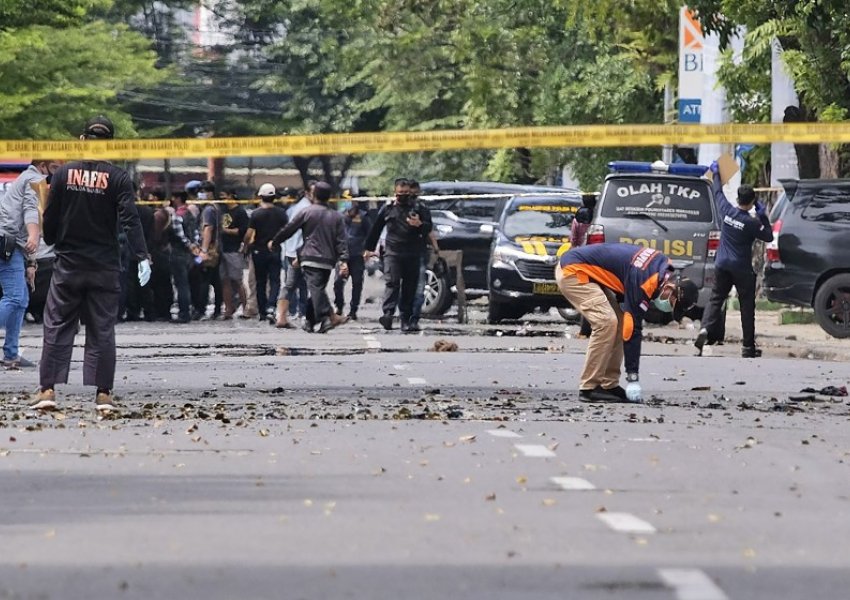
(13,306)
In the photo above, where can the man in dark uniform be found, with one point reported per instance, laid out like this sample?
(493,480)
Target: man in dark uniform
(357,226)
(734,263)
(596,280)
(88,202)
(408,226)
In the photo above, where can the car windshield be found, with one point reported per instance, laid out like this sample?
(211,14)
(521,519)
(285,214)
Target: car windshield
(546,220)
(665,200)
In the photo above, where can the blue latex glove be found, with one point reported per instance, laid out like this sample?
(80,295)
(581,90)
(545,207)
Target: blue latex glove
(760,209)
(633,391)
(144,272)
(714,167)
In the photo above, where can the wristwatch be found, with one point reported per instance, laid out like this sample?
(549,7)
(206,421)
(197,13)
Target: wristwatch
(631,377)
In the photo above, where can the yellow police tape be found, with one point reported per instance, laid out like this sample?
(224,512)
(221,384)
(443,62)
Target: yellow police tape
(362,143)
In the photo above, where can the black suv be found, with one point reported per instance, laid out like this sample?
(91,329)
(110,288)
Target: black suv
(808,261)
(467,224)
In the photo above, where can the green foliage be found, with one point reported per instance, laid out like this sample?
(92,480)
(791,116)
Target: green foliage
(464,63)
(55,79)
(16,14)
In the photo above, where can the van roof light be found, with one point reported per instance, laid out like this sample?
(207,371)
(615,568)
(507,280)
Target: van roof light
(631,166)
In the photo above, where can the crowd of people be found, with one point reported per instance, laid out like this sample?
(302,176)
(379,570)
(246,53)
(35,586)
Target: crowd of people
(216,260)
(109,256)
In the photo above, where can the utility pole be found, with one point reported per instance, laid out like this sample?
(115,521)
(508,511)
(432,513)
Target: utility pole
(667,150)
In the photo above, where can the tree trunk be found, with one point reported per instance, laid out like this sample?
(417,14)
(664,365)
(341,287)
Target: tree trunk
(328,170)
(808,160)
(524,158)
(302,163)
(828,162)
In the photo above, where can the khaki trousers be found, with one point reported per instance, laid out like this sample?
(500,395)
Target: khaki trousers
(605,348)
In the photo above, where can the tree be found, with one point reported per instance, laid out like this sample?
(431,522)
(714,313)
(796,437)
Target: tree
(89,65)
(815,37)
(462,63)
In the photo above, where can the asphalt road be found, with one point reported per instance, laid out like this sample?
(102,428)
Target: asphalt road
(248,462)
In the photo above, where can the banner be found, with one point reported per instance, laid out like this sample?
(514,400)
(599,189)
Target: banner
(691,43)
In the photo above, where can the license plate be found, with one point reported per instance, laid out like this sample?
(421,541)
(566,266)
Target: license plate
(546,289)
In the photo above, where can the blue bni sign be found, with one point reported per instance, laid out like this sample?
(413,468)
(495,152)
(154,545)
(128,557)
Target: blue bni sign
(690,110)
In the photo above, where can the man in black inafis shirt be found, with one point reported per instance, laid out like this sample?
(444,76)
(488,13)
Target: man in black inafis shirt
(88,202)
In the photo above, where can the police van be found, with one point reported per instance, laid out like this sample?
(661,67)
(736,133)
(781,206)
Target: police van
(526,242)
(666,207)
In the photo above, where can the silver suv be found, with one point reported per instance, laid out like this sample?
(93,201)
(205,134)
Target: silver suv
(666,207)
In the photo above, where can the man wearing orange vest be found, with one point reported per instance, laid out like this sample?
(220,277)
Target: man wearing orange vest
(612,285)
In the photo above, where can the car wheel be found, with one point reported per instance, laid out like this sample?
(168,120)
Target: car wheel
(570,315)
(500,311)
(438,295)
(832,305)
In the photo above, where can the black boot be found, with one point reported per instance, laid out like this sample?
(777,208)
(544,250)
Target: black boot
(750,352)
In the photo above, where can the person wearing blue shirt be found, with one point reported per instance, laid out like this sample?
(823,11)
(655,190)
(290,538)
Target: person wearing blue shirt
(734,263)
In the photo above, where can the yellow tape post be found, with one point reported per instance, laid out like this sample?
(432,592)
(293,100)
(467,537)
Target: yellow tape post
(576,136)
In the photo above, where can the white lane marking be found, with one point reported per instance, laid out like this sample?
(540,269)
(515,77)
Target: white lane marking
(416,381)
(650,439)
(503,433)
(572,483)
(625,522)
(372,342)
(691,584)
(535,451)
(401,367)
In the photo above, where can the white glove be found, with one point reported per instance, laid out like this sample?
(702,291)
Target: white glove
(633,391)
(144,272)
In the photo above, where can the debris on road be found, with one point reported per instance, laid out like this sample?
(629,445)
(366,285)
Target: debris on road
(444,346)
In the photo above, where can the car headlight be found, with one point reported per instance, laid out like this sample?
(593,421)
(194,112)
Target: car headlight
(506,255)
(444,229)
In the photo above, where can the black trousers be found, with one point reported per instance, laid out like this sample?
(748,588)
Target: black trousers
(202,280)
(401,278)
(160,284)
(38,297)
(180,271)
(317,284)
(139,299)
(356,268)
(267,272)
(745,284)
(92,296)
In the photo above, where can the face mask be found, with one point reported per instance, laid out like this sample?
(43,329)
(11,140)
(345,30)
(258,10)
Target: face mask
(202,195)
(663,305)
(403,198)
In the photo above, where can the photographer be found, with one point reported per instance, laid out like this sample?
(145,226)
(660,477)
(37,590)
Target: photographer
(408,226)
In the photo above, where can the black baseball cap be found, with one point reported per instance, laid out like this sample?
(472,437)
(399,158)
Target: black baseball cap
(687,292)
(99,127)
